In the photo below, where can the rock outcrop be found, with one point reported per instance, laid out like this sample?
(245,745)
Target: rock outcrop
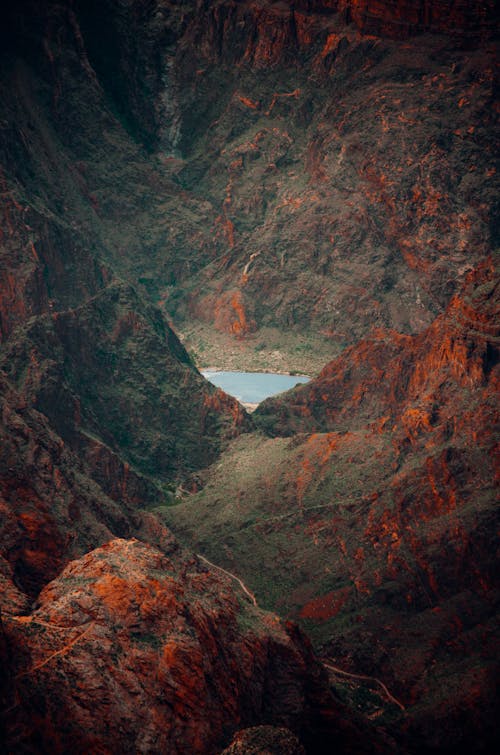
(374,508)
(134,650)
(417,381)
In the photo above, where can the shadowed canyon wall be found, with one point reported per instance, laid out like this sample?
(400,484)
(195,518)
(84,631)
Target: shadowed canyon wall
(316,153)
(373,506)
(315,173)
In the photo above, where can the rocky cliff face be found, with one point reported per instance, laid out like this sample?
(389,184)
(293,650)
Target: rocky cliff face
(400,18)
(81,345)
(289,153)
(52,508)
(399,377)
(169,652)
(374,509)
(325,153)
(275,176)
(131,650)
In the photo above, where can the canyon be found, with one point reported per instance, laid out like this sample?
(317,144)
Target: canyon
(306,187)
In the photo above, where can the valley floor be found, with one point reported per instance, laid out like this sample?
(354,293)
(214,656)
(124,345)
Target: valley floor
(267,351)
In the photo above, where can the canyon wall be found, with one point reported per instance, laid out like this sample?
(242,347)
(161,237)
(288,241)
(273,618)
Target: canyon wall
(373,505)
(263,171)
(288,155)
(131,649)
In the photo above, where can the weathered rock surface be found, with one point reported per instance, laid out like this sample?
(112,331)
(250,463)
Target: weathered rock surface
(402,18)
(339,214)
(301,176)
(132,650)
(264,739)
(81,345)
(259,168)
(325,155)
(412,380)
(51,509)
(375,512)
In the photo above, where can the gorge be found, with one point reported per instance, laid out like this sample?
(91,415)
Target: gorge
(306,187)
(251,388)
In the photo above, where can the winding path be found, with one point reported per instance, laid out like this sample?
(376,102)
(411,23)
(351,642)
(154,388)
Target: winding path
(333,669)
(30,620)
(233,576)
(367,678)
(248,593)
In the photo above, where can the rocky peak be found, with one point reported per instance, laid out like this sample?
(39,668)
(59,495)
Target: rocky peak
(132,650)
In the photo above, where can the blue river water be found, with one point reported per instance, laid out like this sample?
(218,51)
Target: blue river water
(253,387)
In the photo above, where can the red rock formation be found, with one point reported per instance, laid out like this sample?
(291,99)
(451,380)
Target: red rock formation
(305,173)
(384,175)
(327,160)
(130,650)
(51,508)
(402,18)
(405,379)
(231,317)
(374,506)
(167,652)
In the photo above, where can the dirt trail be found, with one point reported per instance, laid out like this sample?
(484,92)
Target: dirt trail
(38,622)
(329,666)
(365,677)
(233,576)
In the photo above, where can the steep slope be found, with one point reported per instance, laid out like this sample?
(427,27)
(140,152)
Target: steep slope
(372,518)
(344,179)
(132,650)
(353,176)
(274,176)
(51,508)
(464,19)
(415,381)
(287,153)
(113,379)
(81,345)
(169,653)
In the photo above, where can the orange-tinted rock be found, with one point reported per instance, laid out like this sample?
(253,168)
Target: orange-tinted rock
(51,510)
(231,316)
(133,651)
(304,174)
(326,160)
(333,226)
(373,506)
(401,18)
(403,378)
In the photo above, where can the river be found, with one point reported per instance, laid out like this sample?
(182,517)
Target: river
(250,388)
